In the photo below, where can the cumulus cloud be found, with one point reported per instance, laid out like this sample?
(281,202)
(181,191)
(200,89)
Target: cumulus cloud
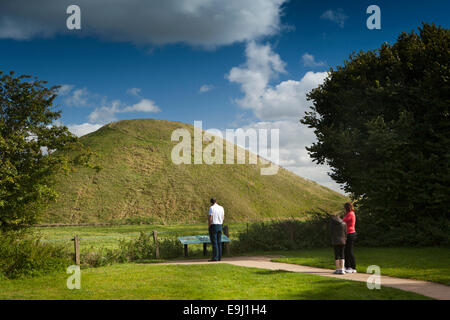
(134,92)
(293,156)
(205,88)
(77,98)
(338,16)
(280,106)
(196,22)
(19,27)
(65,89)
(105,110)
(285,100)
(310,61)
(83,129)
(107,113)
(144,105)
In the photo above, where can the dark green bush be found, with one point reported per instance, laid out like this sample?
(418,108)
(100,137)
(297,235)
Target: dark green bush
(284,235)
(93,258)
(170,248)
(23,254)
(143,248)
(314,233)
(421,232)
(140,249)
(103,257)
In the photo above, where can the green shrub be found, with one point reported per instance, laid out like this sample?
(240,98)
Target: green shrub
(143,248)
(140,249)
(170,248)
(93,259)
(103,257)
(314,233)
(421,232)
(284,235)
(23,254)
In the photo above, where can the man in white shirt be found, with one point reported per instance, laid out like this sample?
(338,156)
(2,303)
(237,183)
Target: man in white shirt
(215,220)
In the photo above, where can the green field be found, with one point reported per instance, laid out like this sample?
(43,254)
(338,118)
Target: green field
(429,264)
(152,281)
(218,281)
(96,237)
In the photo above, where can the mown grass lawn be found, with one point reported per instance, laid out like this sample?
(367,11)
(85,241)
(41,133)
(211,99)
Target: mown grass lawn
(218,281)
(429,264)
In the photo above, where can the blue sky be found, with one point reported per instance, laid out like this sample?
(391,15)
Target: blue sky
(168,50)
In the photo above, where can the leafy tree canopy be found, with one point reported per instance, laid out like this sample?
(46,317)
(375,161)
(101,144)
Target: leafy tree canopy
(32,149)
(383,125)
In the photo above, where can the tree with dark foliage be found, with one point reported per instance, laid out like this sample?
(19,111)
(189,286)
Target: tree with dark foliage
(382,123)
(32,149)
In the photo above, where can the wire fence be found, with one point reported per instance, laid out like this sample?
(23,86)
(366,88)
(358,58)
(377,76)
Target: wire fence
(116,236)
(102,241)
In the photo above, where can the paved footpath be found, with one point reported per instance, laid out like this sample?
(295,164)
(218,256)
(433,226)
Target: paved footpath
(425,288)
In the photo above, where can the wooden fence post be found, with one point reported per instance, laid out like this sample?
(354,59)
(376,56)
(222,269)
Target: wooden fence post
(205,250)
(227,244)
(155,238)
(77,250)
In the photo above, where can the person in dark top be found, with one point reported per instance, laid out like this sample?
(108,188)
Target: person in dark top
(338,229)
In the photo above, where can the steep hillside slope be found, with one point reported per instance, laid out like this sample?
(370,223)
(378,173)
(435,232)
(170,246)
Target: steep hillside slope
(139,182)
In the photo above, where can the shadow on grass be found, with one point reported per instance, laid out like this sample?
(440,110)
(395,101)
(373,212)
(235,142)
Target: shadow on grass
(325,289)
(272,272)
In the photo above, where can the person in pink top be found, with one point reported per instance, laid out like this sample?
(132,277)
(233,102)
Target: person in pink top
(350,220)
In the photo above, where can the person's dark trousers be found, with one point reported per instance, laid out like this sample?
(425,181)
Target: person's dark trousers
(339,252)
(349,256)
(215,235)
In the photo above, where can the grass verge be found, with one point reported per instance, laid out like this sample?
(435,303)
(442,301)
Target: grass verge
(429,264)
(218,281)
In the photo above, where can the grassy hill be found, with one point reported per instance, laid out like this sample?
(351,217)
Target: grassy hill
(139,182)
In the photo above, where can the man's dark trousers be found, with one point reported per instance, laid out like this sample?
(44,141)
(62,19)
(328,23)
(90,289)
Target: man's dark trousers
(215,235)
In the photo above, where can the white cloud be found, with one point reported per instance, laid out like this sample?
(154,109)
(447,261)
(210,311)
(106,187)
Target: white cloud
(144,105)
(134,92)
(65,89)
(338,16)
(206,23)
(105,110)
(83,129)
(107,113)
(77,98)
(19,27)
(318,174)
(282,101)
(294,138)
(310,61)
(205,88)
(280,106)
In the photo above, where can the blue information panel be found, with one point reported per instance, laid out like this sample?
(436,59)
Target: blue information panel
(200,239)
